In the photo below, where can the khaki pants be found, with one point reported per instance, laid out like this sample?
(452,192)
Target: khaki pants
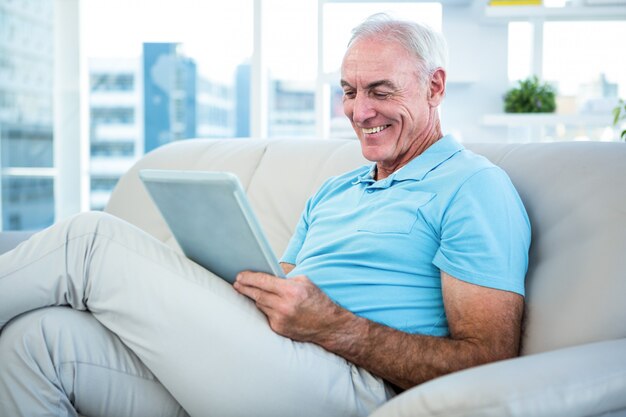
(159,319)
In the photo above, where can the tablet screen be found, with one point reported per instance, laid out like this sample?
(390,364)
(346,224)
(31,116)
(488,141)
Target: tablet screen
(212,221)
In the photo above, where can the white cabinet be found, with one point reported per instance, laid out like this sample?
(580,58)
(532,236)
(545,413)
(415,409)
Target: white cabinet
(543,13)
(527,127)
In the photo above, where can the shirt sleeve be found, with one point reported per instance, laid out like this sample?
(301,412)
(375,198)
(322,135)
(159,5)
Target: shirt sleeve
(485,233)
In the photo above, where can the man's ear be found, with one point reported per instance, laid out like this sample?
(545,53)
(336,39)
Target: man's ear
(437,87)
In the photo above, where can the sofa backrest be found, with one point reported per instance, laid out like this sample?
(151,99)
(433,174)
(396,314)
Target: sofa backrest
(574,194)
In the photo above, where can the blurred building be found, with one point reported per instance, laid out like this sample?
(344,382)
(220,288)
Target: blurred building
(215,107)
(598,96)
(116,130)
(26,132)
(169,95)
(137,105)
(291,109)
(242,100)
(291,106)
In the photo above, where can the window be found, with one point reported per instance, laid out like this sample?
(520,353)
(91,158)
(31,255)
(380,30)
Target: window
(26,146)
(584,59)
(520,47)
(112,82)
(291,63)
(27,202)
(112,115)
(26,131)
(103,184)
(168,71)
(113,149)
(581,61)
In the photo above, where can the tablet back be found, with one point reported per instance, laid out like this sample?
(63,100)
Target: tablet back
(212,221)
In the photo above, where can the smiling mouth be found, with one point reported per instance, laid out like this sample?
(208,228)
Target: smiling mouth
(374,129)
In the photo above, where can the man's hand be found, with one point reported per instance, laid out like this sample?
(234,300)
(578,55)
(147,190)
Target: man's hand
(484,326)
(295,307)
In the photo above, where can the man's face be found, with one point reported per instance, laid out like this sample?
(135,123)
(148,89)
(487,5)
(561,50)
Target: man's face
(386,102)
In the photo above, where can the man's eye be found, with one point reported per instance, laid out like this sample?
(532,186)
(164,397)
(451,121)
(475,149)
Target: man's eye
(348,94)
(381,95)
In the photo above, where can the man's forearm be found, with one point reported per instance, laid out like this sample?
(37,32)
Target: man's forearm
(401,358)
(484,326)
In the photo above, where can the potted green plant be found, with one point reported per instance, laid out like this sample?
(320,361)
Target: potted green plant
(530,96)
(619,114)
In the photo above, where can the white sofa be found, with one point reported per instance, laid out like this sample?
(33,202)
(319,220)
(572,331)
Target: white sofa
(573,359)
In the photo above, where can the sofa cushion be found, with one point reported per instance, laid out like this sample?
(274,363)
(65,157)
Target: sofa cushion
(577,381)
(573,191)
(575,196)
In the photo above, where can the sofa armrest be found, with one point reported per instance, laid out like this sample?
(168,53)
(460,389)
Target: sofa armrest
(10,239)
(585,380)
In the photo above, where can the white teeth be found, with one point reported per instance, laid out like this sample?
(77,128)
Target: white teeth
(374,129)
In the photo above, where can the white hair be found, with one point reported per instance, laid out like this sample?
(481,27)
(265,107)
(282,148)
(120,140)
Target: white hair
(427,45)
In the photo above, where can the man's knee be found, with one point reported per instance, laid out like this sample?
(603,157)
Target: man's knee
(94,222)
(45,349)
(28,377)
(17,337)
(47,338)
(29,337)
(59,354)
(56,334)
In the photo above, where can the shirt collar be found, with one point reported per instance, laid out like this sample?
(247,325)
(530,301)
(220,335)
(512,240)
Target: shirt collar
(418,167)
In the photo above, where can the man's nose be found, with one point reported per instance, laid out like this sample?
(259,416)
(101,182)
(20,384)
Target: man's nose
(363,109)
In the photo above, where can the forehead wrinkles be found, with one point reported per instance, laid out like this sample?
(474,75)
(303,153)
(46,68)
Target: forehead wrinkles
(369,61)
(367,77)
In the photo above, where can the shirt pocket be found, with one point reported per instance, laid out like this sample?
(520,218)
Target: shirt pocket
(393,211)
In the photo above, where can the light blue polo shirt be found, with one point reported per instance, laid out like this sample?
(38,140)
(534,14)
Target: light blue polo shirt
(377,247)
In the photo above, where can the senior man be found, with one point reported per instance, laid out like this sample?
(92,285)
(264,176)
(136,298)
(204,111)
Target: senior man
(399,272)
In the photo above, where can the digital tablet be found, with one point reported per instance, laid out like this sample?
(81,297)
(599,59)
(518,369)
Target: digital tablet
(212,221)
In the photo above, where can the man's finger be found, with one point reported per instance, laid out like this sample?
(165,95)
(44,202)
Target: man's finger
(266,282)
(263,299)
